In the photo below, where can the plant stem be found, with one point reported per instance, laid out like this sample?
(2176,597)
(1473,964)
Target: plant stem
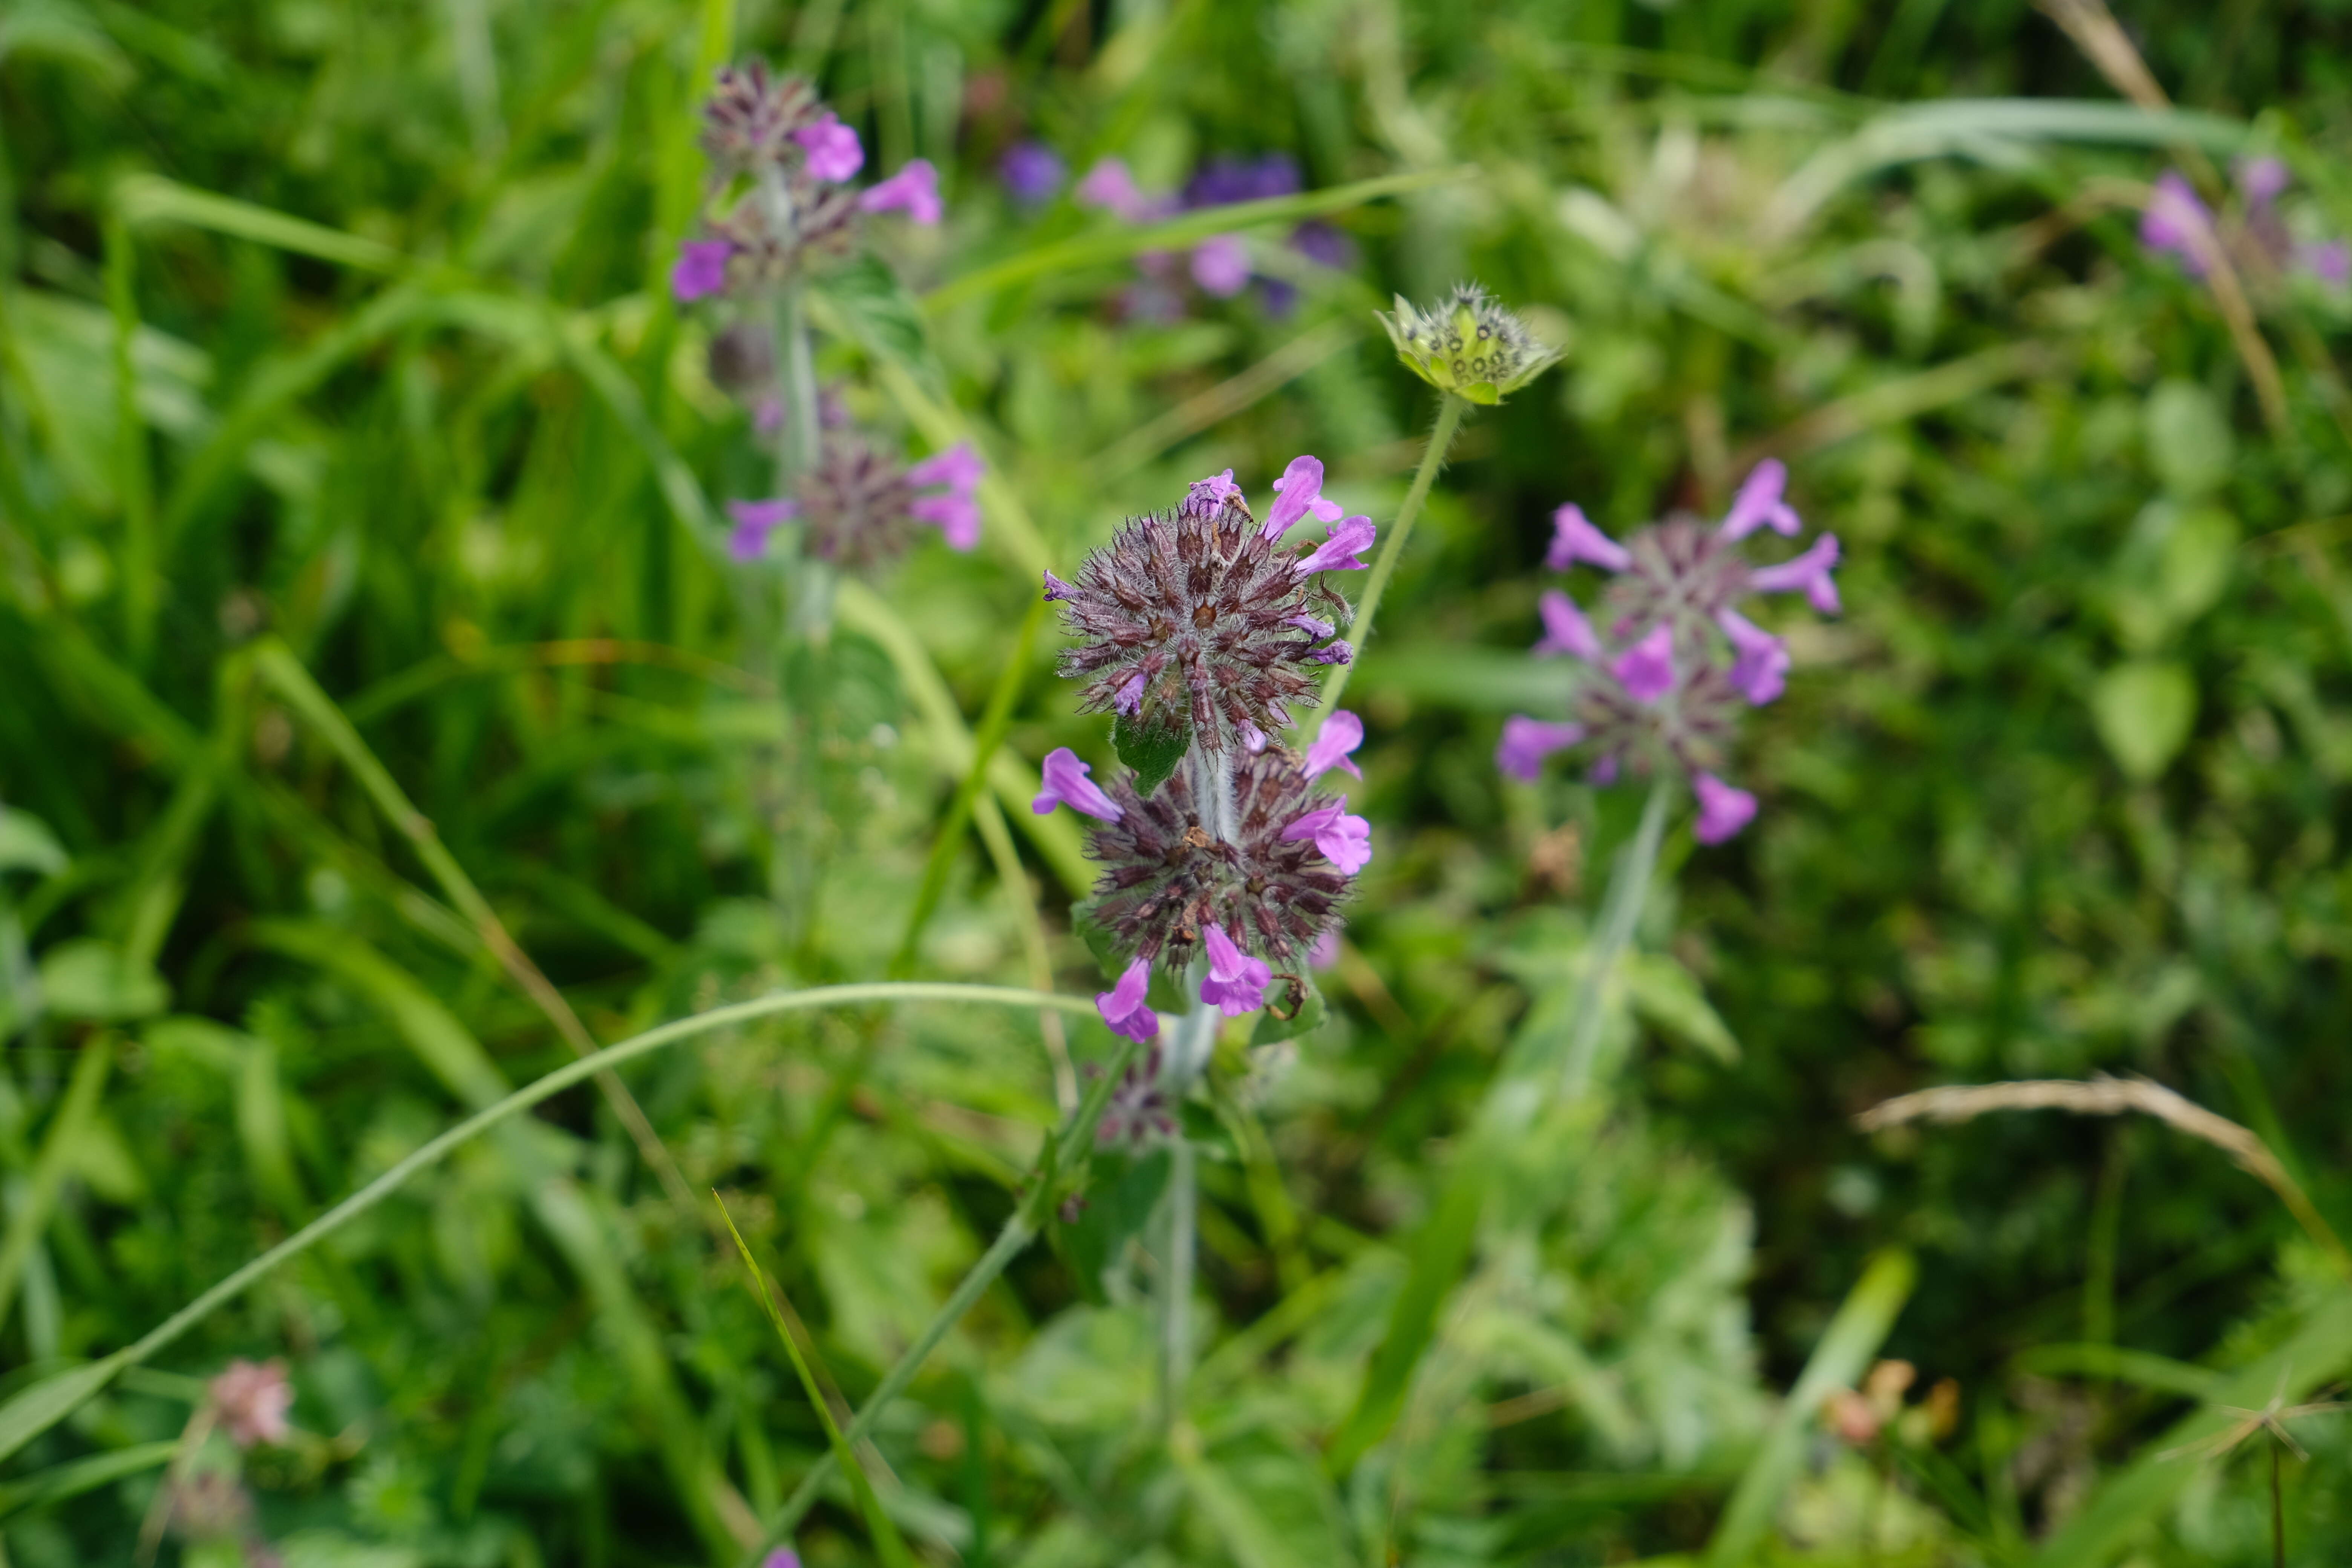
(1176,1281)
(1065,1148)
(21,1428)
(1360,629)
(1629,888)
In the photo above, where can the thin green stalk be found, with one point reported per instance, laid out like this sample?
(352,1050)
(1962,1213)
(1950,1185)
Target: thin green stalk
(1065,1148)
(1359,629)
(796,453)
(1176,1282)
(1629,888)
(140,588)
(32,1216)
(36,1409)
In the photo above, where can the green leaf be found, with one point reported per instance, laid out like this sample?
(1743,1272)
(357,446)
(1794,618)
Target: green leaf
(874,309)
(1116,1211)
(1153,748)
(1667,997)
(1294,1006)
(27,845)
(2189,441)
(51,1400)
(89,979)
(2143,711)
(77,1477)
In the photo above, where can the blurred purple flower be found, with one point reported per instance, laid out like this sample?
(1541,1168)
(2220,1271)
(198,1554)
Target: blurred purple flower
(783,1557)
(701,269)
(1761,666)
(957,512)
(1321,242)
(914,189)
(1341,733)
(1326,951)
(1109,185)
(1236,983)
(1527,741)
(251,1399)
(1723,810)
(2174,221)
(1221,266)
(1123,1007)
(2262,179)
(1066,783)
(1032,172)
(1573,540)
(1222,181)
(1565,629)
(1810,572)
(2329,260)
(834,151)
(1758,503)
(754,521)
(1646,669)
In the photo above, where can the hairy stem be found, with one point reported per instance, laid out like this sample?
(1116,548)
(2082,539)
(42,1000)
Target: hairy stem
(1065,1148)
(1176,1282)
(36,1408)
(1629,888)
(1359,629)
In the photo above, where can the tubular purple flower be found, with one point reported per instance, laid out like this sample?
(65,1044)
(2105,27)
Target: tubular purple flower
(1527,741)
(1221,266)
(2174,221)
(1216,490)
(754,521)
(956,516)
(1810,572)
(1646,669)
(1123,1008)
(1574,540)
(1341,733)
(1758,503)
(1108,186)
(1066,783)
(1311,625)
(1032,172)
(1297,493)
(1130,700)
(958,467)
(1338,553)
(914,189)
(701,269)
(1723,810)
(1236,983)
(1565,629)
(1058,589)
(1346,841)
(1761,668)
(834,151)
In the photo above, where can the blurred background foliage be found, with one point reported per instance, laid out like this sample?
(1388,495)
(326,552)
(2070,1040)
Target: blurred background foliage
(344,415)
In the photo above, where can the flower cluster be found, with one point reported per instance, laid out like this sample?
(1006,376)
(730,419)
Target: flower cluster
(1200,618)
(859,509)
(1673,660)
(2178,224)
(1197,618)
(1220,266)
(251,1400)
(778,206)
(1467,345)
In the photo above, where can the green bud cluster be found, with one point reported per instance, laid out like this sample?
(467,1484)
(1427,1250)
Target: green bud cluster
(1467,345)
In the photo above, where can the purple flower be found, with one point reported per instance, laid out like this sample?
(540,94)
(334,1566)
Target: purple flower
(1346,841)
(1108,186)
(833,148)
(915,188)
(1604,772)
(1762,665)
(1253,738)
(1224,181)
(1723,810)
(1217,490)
(1236,983)
(1646,669)
(251,1400)
(1322,244)
(783,1557)
(1810,572)
(701,269)
(956,512)
(1032,172)
(2328,261)
(1527,741)
(1066,783)
(754,521)
(2262,179)
(1058,589)
(1299,492)
(1574,540)
(2175,221)
(1758,503)
(1221,266)
(1123,1007)
(1341,733)
(1338,553)
(1326,951)
(1565,629)
(1313,625)
(1129,699)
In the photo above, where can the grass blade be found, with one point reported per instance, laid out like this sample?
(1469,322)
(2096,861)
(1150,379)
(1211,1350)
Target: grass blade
(32,1216)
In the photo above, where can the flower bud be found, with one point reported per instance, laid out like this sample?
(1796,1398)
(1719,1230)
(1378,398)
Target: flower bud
(1467,345)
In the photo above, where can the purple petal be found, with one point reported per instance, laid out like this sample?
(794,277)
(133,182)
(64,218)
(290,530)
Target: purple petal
(1307,623)
(1341,733)
(1758,503)
(1347,842)
(956,515)
(1573,540)
(1761,666)
(1338,553)
(1253,738)
(1527,741)
(754,521)
(1646,669)
(1214,490)
(958,467)
(1565,629)
(1123,1007)
(2176,221)
(1810,572)
(915,188)
(1058,589)
(834,151)
(2262,179)
(1236,983)
(701,269)
(1032,172)
(1108,185)
(1333,653)
(1296,493)
(1326,951)
(2329,260)
(1066,783)
(1130,698)
(1221,266)
(1723,810)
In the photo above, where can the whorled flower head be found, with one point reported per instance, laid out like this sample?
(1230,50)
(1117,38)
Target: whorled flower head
(860,509)
(1467,345)
(1271,890)
(1140,1111)
(1673,660)
(753,117)
(1202,617)
(251,1400)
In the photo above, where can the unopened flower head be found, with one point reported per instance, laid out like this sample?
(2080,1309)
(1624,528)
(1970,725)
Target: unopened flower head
(1673,660)
(861,509)
(1271,892)
(1203,617)
(1468,345)
(251,1399)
